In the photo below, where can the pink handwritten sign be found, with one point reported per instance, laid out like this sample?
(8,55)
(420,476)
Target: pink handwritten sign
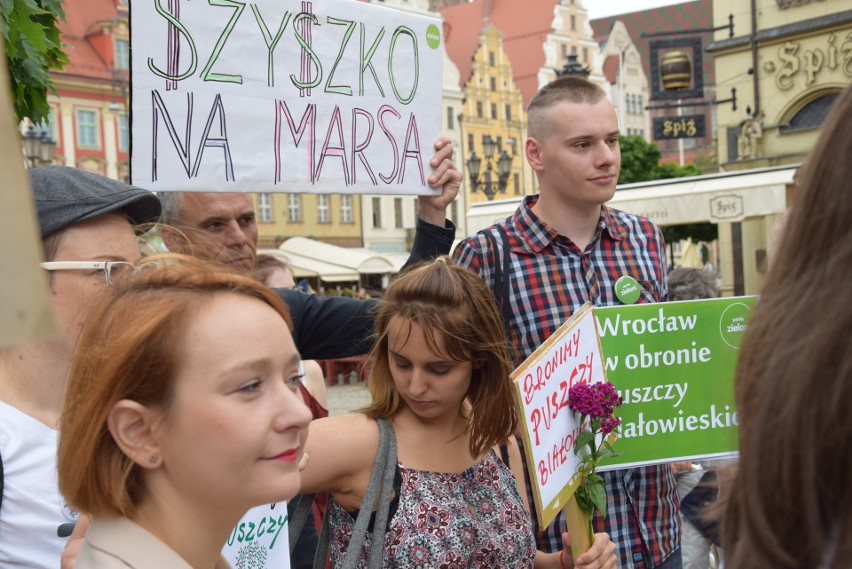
(571,355)
(284,96)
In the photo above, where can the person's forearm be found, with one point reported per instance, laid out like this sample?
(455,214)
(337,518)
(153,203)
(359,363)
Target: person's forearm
(431,241)
(435,216)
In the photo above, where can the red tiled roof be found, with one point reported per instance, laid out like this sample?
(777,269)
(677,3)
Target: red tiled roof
(525,25)
(81,20)
(610,68)
(689,15)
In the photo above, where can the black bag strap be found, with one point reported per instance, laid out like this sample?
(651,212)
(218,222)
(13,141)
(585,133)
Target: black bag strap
(381,485)
(297,520)
(504,454)
(502,269)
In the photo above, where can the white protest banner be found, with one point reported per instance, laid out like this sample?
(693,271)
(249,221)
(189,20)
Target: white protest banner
(571,355)
(337,96)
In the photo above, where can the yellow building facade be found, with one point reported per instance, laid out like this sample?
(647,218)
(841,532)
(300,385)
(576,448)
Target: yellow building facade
(332,218)
(788,60)
(800,58)
(493,107)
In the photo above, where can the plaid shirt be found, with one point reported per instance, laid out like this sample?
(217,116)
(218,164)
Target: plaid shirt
(550,279)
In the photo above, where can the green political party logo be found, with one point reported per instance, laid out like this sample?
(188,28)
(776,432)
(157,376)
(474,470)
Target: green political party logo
(627,290)
(675,372)
(433,36)
(733,324)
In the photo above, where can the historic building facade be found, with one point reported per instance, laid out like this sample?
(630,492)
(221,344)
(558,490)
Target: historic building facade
(502,60)
(89,119)
(788,61)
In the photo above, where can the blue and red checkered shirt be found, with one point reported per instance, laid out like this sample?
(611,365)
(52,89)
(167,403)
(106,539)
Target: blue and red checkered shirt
(549,278)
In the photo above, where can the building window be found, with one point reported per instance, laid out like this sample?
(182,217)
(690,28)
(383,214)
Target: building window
(479,109)
(322,209)
(346,208)
(639,105)
(493,110)
(573,23)
(87,129)
(516,178)
(451,118)
(294,208)
(397,213)
(812,115)
(508,110)
(123,133)
(377,213)
(122,55)
(491,58)
(493,83)
(585,55)
(264,208)
(470,142)
(454,212)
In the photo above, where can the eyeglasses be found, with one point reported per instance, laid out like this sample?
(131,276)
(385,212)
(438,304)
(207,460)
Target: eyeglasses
(110,269)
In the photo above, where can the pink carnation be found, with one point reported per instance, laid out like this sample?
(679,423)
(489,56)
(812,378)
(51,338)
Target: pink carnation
(596,401)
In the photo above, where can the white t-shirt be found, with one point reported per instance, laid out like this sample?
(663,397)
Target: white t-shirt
(33,515)
(260,540)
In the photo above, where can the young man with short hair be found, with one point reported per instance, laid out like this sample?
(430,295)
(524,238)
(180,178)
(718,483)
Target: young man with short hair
(563,248)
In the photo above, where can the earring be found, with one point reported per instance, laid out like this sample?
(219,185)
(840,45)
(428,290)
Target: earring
(153,459)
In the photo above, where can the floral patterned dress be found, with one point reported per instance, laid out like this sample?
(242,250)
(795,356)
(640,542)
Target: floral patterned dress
(471,519)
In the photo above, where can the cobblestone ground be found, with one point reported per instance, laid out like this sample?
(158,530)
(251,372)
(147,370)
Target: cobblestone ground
(344,398)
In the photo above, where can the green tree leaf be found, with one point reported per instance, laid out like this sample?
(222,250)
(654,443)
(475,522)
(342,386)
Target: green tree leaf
(33,47)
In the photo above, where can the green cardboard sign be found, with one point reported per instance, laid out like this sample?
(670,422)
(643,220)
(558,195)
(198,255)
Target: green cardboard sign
(673,363)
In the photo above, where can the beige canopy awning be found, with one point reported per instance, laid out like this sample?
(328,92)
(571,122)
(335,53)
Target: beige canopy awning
(337,264)
(305,267)
(715,198)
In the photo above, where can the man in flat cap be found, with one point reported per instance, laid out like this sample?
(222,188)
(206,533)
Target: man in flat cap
(87,229)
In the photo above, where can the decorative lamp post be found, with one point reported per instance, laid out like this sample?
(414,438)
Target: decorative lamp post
(490,182)
(573,68)
(38,147)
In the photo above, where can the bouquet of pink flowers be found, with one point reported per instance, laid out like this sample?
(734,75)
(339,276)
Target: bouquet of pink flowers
(594,405)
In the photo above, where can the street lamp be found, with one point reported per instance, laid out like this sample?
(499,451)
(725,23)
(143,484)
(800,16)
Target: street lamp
(38,147)
(573,68)
(489,182)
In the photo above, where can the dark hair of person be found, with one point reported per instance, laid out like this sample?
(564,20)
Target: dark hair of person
(790,501)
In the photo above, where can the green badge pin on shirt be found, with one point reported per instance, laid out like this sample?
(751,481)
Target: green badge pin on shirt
(627,290)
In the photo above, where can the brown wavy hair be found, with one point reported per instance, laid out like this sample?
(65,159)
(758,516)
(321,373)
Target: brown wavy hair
(790,502)
(447,299)
(130,349)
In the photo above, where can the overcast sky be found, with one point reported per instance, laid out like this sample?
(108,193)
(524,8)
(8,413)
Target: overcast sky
(604,8)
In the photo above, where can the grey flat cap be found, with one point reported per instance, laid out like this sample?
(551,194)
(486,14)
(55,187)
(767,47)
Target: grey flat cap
(64,196)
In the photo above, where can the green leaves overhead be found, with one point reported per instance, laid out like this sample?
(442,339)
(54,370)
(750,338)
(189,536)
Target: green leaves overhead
(33,48)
